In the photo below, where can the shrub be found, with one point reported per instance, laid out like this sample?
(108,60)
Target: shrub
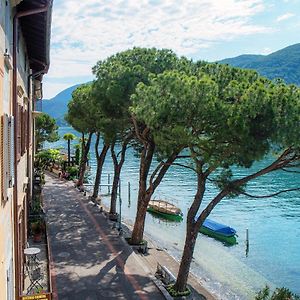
(46,158)
(278,294)
(73,171)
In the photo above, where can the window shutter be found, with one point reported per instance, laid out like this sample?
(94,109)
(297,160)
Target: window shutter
(19,136)
(22,129)
(11,154)
(4,157)
(25,129)
(29,124)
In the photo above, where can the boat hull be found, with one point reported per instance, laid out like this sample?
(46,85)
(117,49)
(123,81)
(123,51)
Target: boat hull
(171,217)
(229,240)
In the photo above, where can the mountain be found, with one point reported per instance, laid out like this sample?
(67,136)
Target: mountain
(57,106)
(284,64)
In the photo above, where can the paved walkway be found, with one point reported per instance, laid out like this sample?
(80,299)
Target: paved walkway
(89,259)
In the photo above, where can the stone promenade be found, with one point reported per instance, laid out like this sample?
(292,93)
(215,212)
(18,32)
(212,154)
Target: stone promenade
(88,259)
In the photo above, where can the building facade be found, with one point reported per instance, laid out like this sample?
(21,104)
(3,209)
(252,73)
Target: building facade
(24,59)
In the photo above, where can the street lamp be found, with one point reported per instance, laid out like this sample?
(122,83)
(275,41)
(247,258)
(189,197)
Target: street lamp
(120,210)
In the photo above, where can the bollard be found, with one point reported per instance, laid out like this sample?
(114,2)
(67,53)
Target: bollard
(120,212)
(247,242)
(129,194)
(108,183)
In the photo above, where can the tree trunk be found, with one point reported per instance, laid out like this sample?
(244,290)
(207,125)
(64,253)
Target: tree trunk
(187,256)
(83,162)
(117,171)
(114,191)
(69,152)
(139,223)
(82,152)
(145,163)
(100,162)
(192,230)
(145,194)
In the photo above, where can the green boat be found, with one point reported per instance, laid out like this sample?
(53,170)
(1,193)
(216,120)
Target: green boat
(165,210)
(219,232)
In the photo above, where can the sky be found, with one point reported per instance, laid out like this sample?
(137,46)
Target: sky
(84,32)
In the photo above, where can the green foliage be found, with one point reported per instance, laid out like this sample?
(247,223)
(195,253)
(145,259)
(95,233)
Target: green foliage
(77,154)
(46,158)
(36,207)
(143,242)
(228,116)
(224,181)
(163,106)
(278,294)
(118,76)
(81,113)
(45,129)
(38,226)
(72,171)
(171,290)
(69,137)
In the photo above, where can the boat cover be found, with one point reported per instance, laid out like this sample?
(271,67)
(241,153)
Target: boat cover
(219,228)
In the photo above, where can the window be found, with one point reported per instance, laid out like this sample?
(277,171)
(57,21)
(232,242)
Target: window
(8,27)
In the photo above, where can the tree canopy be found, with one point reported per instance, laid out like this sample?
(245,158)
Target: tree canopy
(81,112)
(45,129)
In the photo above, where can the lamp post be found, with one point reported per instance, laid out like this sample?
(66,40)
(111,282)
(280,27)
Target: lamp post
(120,210)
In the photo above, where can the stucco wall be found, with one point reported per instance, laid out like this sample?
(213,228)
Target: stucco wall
(6,226)
(6,208)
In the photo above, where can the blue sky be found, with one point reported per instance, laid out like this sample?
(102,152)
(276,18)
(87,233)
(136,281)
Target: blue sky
(84,32)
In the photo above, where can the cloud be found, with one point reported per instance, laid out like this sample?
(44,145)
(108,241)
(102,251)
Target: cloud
(266,51)
(84,32)
(285,17)
(52,89)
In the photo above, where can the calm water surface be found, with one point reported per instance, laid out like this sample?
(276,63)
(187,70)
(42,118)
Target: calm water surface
(273,223)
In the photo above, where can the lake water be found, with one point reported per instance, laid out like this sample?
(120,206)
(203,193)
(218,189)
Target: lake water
(273,223)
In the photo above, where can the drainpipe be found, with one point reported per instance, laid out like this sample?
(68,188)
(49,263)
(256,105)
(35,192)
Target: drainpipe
(17,16)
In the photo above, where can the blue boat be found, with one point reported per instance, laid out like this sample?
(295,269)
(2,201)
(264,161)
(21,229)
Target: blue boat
(219,231)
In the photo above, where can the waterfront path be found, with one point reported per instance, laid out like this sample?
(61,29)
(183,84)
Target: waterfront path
(88,259)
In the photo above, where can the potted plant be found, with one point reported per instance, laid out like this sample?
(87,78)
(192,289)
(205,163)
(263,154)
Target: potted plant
(37,230)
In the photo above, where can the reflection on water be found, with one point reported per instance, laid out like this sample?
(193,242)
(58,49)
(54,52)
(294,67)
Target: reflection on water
(274,228)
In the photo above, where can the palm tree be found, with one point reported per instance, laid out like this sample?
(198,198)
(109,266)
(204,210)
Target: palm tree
(69,137)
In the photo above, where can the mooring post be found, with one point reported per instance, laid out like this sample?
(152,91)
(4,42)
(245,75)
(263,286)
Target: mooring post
(129,194)
(108,183)
(247,241)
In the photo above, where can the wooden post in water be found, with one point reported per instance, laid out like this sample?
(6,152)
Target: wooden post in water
(108,183)
(247,242)
(129,194)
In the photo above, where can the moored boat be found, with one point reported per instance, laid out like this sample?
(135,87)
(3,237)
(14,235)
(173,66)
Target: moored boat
(219,231)
(165,209)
